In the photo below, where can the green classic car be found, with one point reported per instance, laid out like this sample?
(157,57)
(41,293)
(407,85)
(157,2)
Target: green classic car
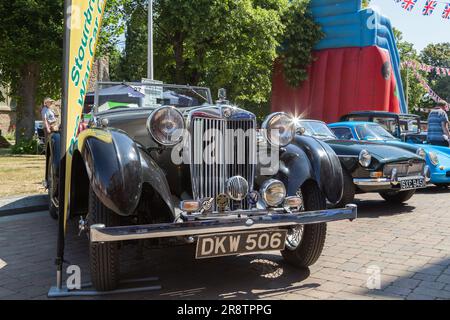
(392,172)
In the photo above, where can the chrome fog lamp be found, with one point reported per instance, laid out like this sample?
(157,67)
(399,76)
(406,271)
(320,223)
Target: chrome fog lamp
(434,159)
(365,158)
(166,125)
(279,129)
(293,202)
(421,153)
(237,188)
(273,192)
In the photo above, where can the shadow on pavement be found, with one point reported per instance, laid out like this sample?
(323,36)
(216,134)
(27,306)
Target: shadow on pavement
(381,208)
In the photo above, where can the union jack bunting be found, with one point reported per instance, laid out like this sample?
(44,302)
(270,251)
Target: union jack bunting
(429,7)
(408,4)
(446,13)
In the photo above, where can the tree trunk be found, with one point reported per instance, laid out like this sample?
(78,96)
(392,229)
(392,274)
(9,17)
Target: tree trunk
(29,77)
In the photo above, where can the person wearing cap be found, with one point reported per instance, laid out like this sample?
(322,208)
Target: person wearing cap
(438,132)
(48,117)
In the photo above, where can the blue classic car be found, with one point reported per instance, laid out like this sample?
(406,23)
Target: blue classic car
(438,158)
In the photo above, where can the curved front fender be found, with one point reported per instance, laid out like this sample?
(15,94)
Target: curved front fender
(323,166)
(113,165)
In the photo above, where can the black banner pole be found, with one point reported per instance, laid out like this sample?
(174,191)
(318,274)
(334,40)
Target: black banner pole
(62,168)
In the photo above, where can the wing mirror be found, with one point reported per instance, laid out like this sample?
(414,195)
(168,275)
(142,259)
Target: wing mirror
(300,130)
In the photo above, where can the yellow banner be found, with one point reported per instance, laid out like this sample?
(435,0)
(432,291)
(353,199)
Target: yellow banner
(85,18)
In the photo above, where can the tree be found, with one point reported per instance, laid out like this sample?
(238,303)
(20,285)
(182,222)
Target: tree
(413,89)
(438,55)
(30,55)
(222,43)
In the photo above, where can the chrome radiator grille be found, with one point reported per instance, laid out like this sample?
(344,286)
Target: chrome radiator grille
(404,169)
(220,149)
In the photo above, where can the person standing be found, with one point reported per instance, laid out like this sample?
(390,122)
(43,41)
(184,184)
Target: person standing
(438,131)
(48,117)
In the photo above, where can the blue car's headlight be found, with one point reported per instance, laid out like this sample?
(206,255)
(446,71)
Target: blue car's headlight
(434,159)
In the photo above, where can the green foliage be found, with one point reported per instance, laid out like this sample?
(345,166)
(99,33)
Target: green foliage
(412,87)
(300,36)
(27,146)
(31,31)
(221,43)
(438,55)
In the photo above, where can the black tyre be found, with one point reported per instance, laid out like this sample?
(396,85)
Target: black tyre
(443,185)
(53,207)
(310,243)
(104,257)
(397,197)
(348,193)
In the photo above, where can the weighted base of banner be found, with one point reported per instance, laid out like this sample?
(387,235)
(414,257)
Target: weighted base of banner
(88,291)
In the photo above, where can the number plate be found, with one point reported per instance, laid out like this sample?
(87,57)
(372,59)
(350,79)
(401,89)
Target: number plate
(218,245)
(409,184)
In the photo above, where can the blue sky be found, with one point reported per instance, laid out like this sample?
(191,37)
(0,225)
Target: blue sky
(417,29)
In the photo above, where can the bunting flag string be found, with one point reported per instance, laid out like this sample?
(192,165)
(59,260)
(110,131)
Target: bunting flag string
(429,7)
(426,68)
(433,95)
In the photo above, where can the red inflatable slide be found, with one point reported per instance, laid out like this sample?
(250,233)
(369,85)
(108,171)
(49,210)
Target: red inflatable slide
(341,80)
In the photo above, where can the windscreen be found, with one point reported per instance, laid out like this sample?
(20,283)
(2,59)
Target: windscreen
(113,96)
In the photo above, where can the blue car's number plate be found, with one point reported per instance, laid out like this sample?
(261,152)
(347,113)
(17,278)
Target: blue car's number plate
(412,183)
(218,245)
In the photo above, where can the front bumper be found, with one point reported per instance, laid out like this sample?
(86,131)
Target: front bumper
(385,182)
(239,221)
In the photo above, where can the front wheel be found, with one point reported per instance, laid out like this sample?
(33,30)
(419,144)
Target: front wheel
(397,197)
(104,257)
(443,185)
(304,243)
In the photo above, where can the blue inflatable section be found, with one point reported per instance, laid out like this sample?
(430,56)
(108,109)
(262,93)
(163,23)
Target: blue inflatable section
(345,24)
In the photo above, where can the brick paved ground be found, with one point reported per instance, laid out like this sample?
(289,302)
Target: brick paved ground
(409,245)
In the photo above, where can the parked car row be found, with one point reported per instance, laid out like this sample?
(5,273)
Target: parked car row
(186,170)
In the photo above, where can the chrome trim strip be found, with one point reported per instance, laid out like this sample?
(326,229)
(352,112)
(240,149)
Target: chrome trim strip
(372,182)
(99,233)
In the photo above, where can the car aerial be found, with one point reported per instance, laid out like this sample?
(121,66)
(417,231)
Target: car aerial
(405,132)
(372,167)
(169,166)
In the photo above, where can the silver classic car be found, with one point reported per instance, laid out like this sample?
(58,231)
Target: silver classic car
(165,164)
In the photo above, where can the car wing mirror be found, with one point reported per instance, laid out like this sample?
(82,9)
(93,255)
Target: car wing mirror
(301,130)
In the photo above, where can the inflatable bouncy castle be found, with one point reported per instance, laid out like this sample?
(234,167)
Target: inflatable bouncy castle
(356,67)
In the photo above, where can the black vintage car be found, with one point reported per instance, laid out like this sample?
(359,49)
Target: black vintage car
(392,172)
(174,167)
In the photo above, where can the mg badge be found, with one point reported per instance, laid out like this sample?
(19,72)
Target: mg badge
(222,202)
(253,197)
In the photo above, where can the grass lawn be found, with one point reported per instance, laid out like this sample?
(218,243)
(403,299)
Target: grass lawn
(20,174)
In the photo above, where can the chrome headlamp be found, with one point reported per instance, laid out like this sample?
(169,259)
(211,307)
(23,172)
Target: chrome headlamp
(421,153)
(273,192)
(279,129)
(434,159)
(365,158)
(166,125)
